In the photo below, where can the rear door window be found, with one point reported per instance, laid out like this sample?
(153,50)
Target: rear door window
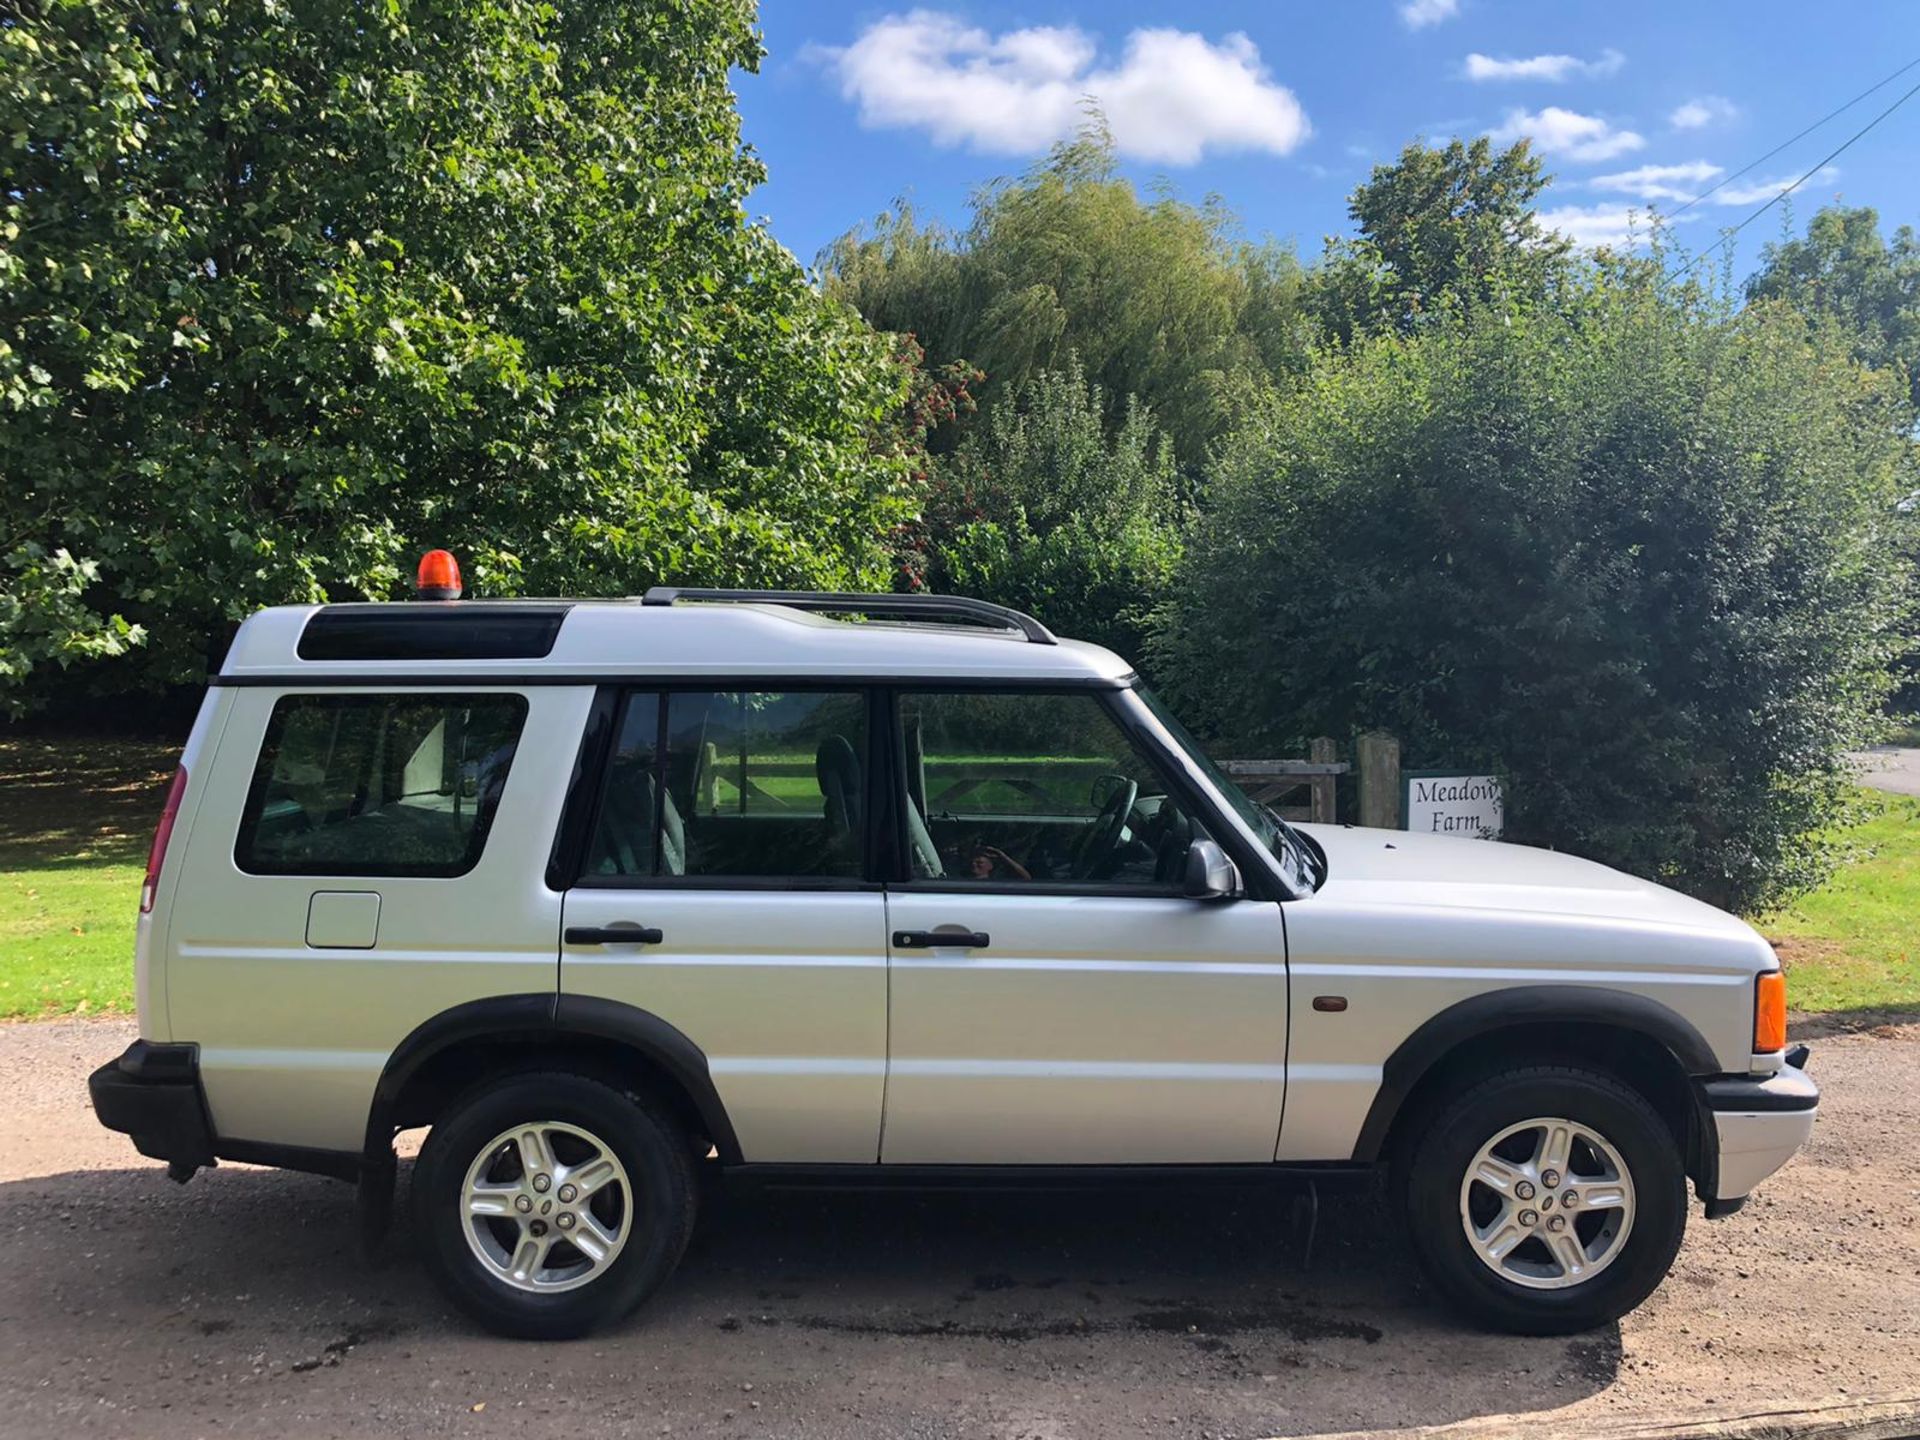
(755,785)
(373,785)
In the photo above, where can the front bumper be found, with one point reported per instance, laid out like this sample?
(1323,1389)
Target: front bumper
(1758,1124)
(152,1093)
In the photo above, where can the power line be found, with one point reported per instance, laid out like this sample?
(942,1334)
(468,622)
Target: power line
(1745,169)
(1819,165)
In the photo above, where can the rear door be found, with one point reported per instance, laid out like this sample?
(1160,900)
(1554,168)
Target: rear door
(363,858)
(731,839)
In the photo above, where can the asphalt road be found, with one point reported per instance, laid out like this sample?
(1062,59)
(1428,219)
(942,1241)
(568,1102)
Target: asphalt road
(1891,767)
(237,1305)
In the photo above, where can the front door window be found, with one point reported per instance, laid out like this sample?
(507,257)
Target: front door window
(1035,788)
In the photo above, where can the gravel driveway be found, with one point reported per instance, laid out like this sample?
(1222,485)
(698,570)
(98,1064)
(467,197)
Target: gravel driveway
(1890,767)
(237,1305)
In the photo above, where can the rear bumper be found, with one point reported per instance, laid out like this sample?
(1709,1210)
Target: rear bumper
(152,1093)
(1759,1124)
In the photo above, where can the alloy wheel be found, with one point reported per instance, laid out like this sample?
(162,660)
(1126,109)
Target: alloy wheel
(1547,1203)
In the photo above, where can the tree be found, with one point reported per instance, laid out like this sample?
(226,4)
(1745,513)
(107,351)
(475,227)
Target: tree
(1643,559)
(1155,298)
(291,290)
(1042,509)
(1453,223)
(1844,269)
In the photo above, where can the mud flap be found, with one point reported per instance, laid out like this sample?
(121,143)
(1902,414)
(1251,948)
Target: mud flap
(373,1207)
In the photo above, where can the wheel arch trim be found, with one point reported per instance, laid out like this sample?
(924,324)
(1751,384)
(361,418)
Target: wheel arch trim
(546,1019)
(1522,1005)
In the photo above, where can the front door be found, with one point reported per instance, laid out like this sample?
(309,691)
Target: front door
(731,829)
(1055,999)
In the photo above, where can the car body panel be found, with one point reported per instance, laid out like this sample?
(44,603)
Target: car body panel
(1407,925)
(293,1037)
(1092,1030)
(785,992)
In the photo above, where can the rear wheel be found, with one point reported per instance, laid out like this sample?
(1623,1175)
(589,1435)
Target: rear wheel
(549,1204)
(1545,1200)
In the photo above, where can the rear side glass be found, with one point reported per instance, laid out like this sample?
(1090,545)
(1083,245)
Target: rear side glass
(403,784)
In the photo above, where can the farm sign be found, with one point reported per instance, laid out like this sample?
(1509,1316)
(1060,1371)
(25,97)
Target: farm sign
(1435,803)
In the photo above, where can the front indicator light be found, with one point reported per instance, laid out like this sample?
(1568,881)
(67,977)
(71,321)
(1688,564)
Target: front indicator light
(1770,1013)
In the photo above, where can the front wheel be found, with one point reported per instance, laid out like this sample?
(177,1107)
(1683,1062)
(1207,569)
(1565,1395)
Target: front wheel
(549,1204)
(1546,1200)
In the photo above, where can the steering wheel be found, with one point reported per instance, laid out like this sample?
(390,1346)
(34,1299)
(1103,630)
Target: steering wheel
(1102,838)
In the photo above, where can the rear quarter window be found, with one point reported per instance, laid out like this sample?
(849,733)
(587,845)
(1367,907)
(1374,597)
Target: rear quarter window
(402,784)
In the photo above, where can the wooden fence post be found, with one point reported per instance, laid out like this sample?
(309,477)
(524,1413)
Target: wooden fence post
(1378,760)
(1324,805)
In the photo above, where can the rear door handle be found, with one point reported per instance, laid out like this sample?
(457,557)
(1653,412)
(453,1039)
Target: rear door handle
(939,939)
(612,935)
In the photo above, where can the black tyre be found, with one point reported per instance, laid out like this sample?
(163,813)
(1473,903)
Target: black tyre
(1546,1200)
(548,1204)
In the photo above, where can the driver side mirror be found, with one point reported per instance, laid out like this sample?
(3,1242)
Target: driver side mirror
(1210,874)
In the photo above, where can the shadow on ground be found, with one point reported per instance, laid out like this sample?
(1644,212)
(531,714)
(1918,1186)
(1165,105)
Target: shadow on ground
(240,1303)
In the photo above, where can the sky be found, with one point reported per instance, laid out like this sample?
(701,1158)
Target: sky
(1281,108)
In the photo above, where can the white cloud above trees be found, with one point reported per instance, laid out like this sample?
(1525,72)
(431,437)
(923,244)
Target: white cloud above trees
(1419,14)
(1702,111)
(1551,68)
(1661,182)
(1170,96)
(1567,133)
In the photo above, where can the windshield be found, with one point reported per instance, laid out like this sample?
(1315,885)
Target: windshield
(1296,857)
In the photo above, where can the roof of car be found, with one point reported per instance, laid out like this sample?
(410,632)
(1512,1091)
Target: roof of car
(555,641)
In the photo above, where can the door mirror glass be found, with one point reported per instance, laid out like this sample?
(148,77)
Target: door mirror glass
(1210,874)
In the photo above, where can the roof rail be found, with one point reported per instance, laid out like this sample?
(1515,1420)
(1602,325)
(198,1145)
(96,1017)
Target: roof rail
(955,607)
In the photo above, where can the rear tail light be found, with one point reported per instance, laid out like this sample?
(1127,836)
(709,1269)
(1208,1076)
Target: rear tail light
(1770,1013)
(162,833)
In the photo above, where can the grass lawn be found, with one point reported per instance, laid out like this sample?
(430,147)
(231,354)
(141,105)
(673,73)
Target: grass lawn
(1855,945)
(75,819)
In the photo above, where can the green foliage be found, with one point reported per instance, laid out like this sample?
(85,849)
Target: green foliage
(1642,558)
(1455,223)
(1852,945)
(1844,269)
(1155,297)
(1042,509)
(291,289)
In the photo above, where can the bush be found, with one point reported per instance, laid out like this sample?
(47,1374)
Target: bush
(1639,556)
(1040,509)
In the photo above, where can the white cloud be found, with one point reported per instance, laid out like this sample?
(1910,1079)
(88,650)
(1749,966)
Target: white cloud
(1756,191)
(1617,226)
(1701,111)
(1173,95)
(1552,68)
(1421,13)
(1661,182)
(1555,131)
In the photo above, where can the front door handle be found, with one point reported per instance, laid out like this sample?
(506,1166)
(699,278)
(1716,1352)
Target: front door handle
(939,939)
(612,935)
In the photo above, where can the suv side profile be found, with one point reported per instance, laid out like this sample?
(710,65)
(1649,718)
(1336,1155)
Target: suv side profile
(612,894)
